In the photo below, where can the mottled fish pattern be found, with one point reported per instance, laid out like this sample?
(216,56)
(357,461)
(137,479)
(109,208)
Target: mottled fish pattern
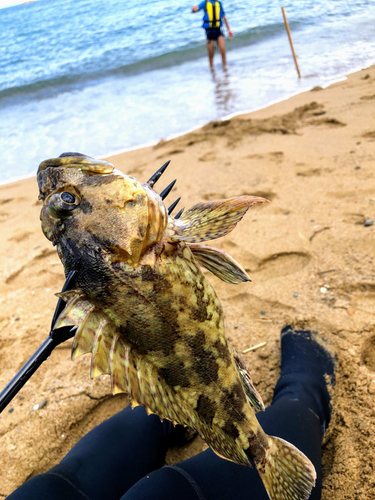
(150,318)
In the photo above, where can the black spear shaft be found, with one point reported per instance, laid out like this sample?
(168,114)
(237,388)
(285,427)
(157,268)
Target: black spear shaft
(54,338)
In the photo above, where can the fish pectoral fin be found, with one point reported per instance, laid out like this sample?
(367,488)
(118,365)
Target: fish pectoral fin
(252,394)
(76,309)
(219,263)
(210,220)
(94,333)
(130,372)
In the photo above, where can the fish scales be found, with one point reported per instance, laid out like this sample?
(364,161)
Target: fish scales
(149,316)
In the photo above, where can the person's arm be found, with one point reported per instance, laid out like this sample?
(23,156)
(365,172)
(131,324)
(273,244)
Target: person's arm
(230,33)
(196,8)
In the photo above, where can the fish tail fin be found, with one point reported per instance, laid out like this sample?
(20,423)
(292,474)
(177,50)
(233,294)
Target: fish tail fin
(287,474)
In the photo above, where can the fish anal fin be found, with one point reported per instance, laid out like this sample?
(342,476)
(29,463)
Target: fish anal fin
(287,474)
(101,347)
(138,388)
(252,394)
(118,365)
(219,263)
(210,220)
(134,374)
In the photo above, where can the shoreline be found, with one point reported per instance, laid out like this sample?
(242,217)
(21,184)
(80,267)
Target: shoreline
(193,129)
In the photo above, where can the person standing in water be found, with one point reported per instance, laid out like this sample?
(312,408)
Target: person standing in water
(212,22)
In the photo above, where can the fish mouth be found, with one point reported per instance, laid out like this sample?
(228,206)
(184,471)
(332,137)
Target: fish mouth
(79,161)
(47,226)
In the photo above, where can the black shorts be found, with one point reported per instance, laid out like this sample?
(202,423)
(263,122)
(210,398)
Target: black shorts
(213,33)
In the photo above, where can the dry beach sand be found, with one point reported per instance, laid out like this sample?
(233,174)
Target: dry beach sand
(309,254)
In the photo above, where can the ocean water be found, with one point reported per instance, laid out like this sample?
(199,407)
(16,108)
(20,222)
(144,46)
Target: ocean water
(100,77)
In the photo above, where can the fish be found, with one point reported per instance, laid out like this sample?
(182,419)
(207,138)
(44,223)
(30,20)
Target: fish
(148,315)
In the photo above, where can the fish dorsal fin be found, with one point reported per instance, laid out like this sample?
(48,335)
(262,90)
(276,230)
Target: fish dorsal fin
(219,263)
(252,394)
(210,220)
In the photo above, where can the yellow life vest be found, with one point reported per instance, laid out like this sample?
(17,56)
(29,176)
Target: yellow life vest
(213,12)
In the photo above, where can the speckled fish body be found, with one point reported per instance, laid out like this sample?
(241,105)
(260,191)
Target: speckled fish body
(151,319)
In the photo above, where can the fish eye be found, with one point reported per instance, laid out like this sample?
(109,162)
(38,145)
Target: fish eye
(63,204)
(67,198)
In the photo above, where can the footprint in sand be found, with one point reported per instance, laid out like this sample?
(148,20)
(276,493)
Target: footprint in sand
(369,135)
(259,305)
(20,236)
(354,218)
(358,193)
(210,156)
(3,216)
(138,170)
(329,122)
(3,201)
(368,353)
(44,253)
(214,196)
(254,156)
(276,156)
(171,153)
(268,195)
(312,172)
(280,264)
(29,266)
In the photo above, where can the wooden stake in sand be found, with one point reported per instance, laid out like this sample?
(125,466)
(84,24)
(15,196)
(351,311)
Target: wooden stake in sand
(290,41)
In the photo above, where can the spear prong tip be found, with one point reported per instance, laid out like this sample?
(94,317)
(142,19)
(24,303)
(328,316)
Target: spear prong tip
(173,206)
(167,190)
(179,213)
(154,178)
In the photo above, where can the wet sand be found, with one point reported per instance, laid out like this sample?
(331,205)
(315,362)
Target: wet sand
(309,254)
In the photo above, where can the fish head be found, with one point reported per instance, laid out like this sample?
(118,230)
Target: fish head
(89,206)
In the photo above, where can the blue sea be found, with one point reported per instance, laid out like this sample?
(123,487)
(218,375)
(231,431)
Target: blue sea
(101,77)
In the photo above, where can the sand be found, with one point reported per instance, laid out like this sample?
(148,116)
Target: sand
(309,254)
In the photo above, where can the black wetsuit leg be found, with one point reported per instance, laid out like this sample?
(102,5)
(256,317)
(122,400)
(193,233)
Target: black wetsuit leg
(208,477)
(106,462)
(116,459)
(299,413)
